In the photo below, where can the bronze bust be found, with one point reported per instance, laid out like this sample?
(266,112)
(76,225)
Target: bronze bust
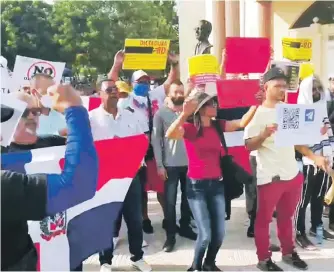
(203,32)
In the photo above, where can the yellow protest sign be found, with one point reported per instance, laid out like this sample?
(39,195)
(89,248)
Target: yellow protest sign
(145,54)
(306,69)
(297,49)
(203,64)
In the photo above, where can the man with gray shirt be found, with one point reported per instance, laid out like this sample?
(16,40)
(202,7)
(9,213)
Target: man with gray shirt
(172,163)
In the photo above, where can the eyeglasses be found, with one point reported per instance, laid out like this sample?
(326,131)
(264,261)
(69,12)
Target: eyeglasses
(33,111)
(111,89)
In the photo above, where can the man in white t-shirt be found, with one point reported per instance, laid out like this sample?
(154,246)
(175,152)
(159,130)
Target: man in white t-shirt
(279,181)
(145,104)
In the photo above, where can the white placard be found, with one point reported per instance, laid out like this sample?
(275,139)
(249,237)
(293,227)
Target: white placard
(291,70)
(26,67)
(8,127)
(299,124)
(5,77)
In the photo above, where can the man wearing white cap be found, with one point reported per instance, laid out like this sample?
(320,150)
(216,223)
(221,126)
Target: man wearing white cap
(146,103)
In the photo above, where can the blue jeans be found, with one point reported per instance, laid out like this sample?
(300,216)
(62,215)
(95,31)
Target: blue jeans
(133,219)
(174,175)
(207,203)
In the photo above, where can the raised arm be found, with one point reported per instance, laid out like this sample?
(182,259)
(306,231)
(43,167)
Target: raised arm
(174,72)
(234,125)
(117,66)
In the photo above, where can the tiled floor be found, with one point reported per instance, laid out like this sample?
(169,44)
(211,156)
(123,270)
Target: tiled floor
(236,254)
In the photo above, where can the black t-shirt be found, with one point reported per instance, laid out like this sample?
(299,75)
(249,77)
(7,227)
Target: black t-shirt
(23,198)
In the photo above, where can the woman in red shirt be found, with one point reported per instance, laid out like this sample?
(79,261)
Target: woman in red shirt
(205,189)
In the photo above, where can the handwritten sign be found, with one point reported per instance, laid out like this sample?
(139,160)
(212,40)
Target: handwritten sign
(25,68)
(297,49)
(145,54)
(291,70)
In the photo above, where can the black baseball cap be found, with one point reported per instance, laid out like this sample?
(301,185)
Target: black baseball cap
(6,113)
(274,73)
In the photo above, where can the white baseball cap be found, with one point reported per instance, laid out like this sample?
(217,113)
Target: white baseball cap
(138,74)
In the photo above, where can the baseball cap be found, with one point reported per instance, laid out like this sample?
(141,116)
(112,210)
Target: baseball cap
(6,113)
(274,73)
(138,74)
(123,87)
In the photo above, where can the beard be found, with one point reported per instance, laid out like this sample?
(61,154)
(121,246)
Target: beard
(177,101)
(316,98)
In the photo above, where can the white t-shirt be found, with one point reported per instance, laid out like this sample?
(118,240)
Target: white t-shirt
(139,103)
(271,160)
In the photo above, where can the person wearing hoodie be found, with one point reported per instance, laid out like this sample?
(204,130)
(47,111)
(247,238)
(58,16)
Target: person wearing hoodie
(311,91)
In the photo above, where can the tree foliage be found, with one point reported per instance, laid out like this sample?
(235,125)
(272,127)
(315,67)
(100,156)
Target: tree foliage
(84,34)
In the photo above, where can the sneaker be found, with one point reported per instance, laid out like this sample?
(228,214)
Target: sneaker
(295,261)
(187,232)
(141,265)
(105,268)
(304,242)
(268,265)
(191,268)
(115,241)
(169,244)
(250,232)
(144,244)
(210,267)
(327,235)
(274,248)
(147,226)
(331,227)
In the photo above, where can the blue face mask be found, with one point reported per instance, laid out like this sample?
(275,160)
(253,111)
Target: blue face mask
(141,89)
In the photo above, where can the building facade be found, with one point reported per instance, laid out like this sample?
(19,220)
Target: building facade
(252,18)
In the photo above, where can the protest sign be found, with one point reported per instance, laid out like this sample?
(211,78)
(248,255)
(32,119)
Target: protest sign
(145,54)
(247,55)
(237,93)
(306,69)
(291,70)
(8,126)
(297,49)
(25,68)
(5,77)
(298,124)
(203,69)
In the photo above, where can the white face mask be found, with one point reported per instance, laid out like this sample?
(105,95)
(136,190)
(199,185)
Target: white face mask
(123,103)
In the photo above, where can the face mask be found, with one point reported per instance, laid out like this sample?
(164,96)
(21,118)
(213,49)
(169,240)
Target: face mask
(46,101)
(141,89)
(123,103)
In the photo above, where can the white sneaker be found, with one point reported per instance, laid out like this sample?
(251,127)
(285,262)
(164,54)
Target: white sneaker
(115,241)
(145,244)
(105,268)
(142,266)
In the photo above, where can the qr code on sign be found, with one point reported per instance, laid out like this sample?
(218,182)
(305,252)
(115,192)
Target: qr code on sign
(290,118)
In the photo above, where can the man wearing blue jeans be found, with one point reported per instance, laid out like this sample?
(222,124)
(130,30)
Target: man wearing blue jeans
(172,163)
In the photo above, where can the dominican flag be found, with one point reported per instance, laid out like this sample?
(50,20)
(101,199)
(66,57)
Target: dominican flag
(66,239)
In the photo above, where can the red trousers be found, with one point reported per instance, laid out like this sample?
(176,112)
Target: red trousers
(284,196)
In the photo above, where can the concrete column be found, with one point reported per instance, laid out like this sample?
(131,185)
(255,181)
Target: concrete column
(218,23)
(232,18)
(265,19)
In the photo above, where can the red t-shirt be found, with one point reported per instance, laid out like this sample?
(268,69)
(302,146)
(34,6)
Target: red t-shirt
(203,152)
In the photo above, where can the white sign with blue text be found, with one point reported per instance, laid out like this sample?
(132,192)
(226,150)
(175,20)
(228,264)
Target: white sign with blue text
(299,124)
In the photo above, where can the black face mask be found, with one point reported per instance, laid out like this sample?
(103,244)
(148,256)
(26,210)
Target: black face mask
(177,101)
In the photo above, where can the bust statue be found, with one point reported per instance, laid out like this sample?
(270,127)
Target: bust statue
(203,32)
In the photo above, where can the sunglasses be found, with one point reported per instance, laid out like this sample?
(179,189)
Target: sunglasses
(111,89)
(33,111)
(210,103)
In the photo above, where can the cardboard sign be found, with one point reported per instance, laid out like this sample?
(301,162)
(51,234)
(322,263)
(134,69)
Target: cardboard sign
(247,55)
(25,68)
(306,69)
(237,93)
(297,49)
(145,54)
(291,70)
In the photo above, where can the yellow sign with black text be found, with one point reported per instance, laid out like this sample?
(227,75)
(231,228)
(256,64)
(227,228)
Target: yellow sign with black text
(145,54)
(202,64)
(297,49)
